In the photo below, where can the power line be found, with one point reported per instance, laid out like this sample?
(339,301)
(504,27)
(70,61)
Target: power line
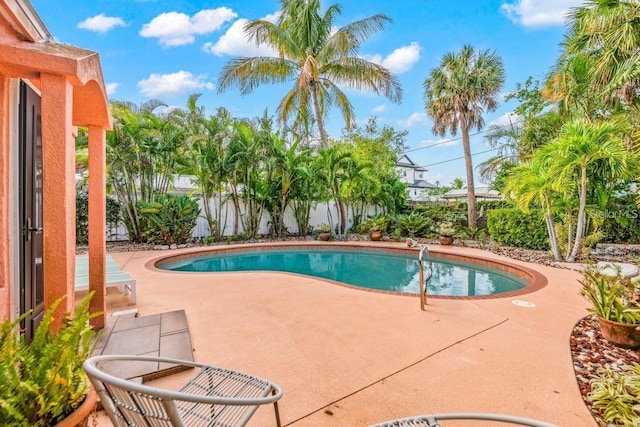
(459,158)
(459,138)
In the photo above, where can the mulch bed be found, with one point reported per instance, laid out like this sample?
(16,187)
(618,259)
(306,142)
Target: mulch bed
(590,352)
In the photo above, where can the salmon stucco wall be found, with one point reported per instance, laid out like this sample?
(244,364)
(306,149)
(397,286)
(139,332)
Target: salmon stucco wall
(58,150)
(5,232)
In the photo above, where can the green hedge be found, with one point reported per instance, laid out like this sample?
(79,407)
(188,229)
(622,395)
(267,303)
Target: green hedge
(513,227)
(621,221)
(82,214)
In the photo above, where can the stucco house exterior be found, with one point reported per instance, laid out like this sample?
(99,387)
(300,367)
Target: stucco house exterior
(47,89)
(414,176)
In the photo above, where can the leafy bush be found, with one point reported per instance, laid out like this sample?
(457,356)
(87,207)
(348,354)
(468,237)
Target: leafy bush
(43,382)
(415,224)
(82,214)
(616,395)
(374,223)
(169,219)
(621,224)
(513,227)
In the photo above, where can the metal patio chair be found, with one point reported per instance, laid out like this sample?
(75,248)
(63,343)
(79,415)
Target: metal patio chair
(212,397)
(432,420)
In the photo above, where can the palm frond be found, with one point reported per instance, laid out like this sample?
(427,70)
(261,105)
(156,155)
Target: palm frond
(248,73)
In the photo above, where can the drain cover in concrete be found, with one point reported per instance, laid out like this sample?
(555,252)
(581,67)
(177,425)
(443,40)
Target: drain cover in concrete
(521,303)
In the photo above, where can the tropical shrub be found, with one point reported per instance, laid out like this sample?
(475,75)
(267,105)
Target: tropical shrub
(169,218)
(42,382)
(621,223)
(82,214)
(514,227)
(611,297)
(616,395)
(374,223)
(414,224)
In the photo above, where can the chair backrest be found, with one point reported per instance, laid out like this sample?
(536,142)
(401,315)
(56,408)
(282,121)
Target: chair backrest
(126,407)
(213,396)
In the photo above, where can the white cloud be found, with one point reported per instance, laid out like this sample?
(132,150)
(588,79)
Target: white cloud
(176,29)
(440,143)
(538,13)
(172,84)
(400,60)
(234,42)
(380,109)
(414,119)
(507,119)
(111,88)
(101,23)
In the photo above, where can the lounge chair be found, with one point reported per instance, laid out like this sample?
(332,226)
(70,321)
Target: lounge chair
(212,397)
(115,277)
(433,420)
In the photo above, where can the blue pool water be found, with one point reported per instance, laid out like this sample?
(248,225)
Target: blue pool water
(374,270)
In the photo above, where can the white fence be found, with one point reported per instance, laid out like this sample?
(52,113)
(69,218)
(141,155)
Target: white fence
(319,215)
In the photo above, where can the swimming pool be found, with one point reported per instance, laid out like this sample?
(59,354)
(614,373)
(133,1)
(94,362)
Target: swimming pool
(387,271)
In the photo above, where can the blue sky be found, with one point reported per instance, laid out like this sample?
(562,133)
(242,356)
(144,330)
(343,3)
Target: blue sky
(168,50)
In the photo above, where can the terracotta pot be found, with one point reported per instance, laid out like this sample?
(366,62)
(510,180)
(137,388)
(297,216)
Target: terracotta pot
(445,240)
(80,417)
(376,235)
(621,334)
(324,236)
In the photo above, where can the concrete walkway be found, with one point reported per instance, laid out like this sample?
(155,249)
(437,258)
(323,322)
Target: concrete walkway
(348,357)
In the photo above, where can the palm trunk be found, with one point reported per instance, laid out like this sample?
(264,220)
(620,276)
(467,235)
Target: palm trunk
(471,190)
(551,230)
(324,140)
(343,218)
(581,216)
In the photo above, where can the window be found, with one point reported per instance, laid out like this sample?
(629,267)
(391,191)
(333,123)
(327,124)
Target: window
(420,175)
(404,173)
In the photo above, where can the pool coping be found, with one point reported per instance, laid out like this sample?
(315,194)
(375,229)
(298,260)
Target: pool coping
(535,279)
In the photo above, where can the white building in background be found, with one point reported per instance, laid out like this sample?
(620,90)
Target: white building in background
(414,176)
(482,194)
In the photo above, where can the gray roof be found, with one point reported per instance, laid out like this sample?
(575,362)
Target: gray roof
(422,184)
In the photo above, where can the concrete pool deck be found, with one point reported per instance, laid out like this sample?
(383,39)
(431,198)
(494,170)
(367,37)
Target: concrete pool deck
(348,357)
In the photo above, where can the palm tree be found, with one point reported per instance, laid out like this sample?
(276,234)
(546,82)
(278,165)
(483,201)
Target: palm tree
(465,85)
(608,32)
(585,150)
(332,166)
(530,183)
(316,57)
(457,183)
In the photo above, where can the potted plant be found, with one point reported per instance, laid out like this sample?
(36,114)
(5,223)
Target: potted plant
(375,226)
(325,232)
(445,231)
(42,383)
(615,303)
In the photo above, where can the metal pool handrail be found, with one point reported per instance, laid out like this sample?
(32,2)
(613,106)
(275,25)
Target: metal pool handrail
(424,278)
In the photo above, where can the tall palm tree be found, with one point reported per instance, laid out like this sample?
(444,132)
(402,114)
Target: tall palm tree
(457,93)
(584,150)
(316,58)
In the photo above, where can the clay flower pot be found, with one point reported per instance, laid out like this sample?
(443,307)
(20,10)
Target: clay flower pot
(324,236)
(445,240)
(376,235)
(80,417)
(621,334)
